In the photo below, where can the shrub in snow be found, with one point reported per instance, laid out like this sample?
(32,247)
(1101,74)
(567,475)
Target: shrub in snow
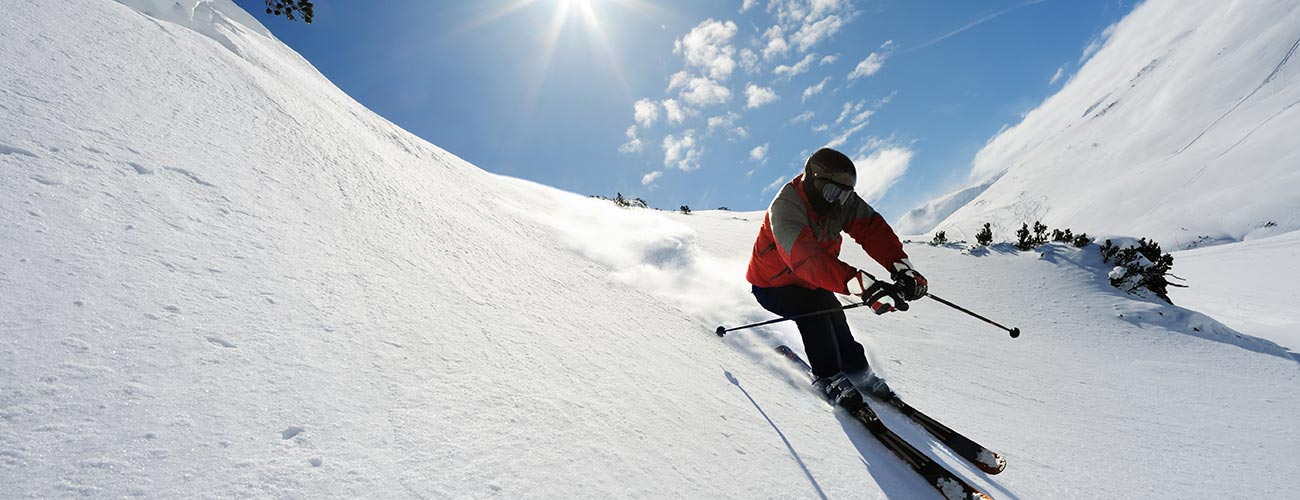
(685,210)
(985,236)
(1140,267)
(1080,241)
(1023,241)
(939,238)
(1027,240)
(1062,236)
(1040,233)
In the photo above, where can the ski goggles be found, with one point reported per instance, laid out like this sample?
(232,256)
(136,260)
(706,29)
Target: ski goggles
(835,193)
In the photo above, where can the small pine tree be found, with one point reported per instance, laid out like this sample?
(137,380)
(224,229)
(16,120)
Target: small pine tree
(940,238)
(291,9)
(1082,240)
(1108,251)
(685,210)
(1040,233)
(985,235)
(1023,242)
(1062,236)
(638,203)
(1144,266)
(621,201)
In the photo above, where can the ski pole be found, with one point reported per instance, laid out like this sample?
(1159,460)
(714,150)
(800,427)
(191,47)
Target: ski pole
(722,330)
(871,297)
(1015,332)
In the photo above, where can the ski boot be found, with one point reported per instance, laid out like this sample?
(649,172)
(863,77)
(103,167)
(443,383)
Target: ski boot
(839,390)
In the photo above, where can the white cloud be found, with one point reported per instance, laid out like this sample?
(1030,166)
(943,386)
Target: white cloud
(850,108)
(646,112)
(679,79)
(758,96)
(702,91)
(682,151)
(1097,42)
(803,117)
(812,34)
(708,46)
(633,144)
(674,112)
(776,44)
(1057,76)
(727,122)
(759,153)
(821,128)
(651,177)
(823,7)
(800,67)
(886,100)
(843,138)
(779,182)
(868,66)
(878,172)
(829,60)
(749,61)
(748,4)
(815,89)
(861,117)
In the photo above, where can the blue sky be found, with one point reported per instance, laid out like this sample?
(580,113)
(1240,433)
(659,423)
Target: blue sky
(705,104)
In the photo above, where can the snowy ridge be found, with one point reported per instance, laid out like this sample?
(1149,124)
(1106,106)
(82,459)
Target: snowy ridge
(224,278)
(1178,128)
(921,219)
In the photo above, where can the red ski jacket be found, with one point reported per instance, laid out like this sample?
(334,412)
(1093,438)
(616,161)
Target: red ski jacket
(796,246)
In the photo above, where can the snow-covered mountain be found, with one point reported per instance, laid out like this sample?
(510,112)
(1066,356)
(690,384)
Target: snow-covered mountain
(1181,127)
(919,220)
(221,277)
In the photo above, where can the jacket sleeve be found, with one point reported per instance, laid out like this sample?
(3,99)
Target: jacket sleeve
(798,247)
(869,229)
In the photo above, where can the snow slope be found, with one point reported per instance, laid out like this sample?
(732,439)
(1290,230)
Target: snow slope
(223,278)
(1180,128)
(1250,286)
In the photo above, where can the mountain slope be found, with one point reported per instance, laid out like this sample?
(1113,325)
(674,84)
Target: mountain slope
(1249,285)
(222,277)
(1179,128)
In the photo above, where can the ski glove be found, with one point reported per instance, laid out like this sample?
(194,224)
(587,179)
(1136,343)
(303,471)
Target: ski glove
(873,292)
(912,285)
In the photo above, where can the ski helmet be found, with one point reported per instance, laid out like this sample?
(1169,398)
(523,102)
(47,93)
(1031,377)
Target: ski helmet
(828,179)
(830,165)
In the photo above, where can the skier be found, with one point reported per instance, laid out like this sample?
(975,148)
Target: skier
(795,268)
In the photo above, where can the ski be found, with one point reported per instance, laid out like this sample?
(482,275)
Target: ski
(943,480)
(985,459)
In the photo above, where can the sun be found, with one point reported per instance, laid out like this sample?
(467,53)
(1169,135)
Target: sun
(555,17)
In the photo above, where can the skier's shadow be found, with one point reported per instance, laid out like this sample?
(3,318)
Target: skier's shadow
(893,476)
(817,487)
(889,472)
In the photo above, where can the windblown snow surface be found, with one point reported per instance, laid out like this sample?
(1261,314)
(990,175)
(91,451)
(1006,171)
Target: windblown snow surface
(1182,128)
(223,278)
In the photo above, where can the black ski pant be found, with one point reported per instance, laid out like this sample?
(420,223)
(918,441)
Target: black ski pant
(826,337)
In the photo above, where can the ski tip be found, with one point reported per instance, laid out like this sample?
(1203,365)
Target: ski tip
(992,465)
